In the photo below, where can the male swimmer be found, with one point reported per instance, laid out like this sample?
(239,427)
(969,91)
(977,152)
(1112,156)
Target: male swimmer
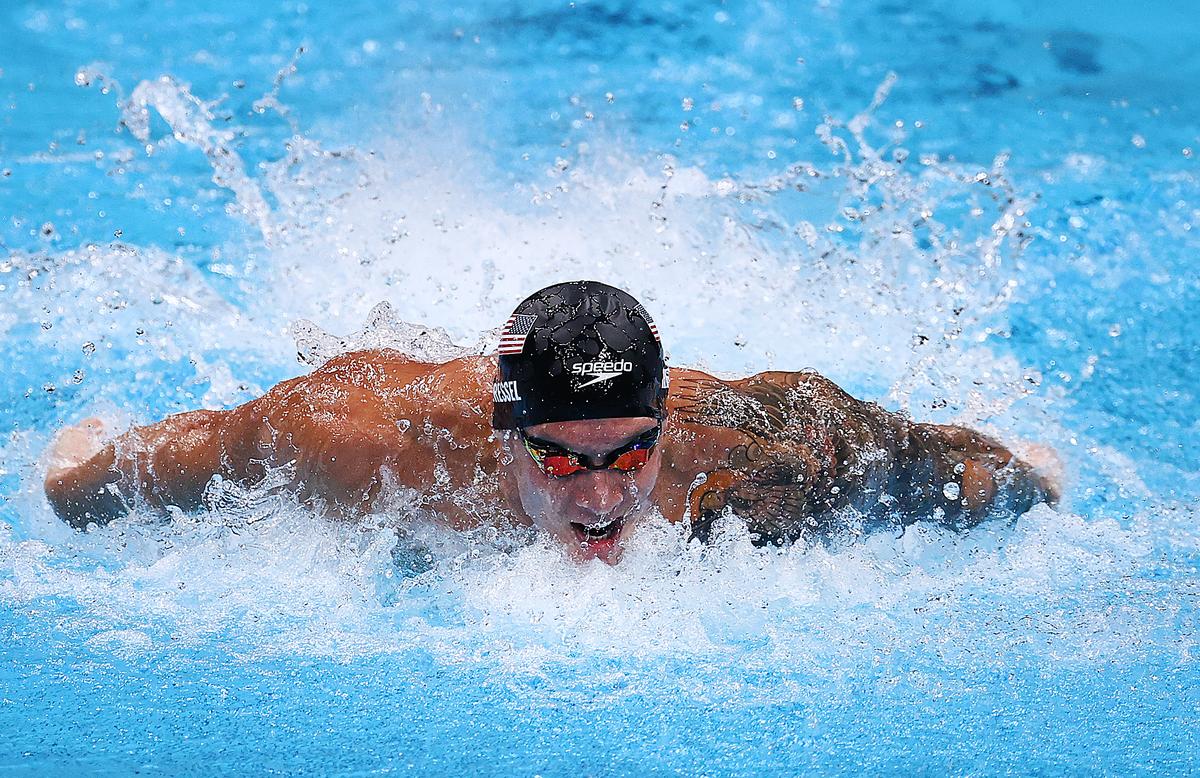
(576,427)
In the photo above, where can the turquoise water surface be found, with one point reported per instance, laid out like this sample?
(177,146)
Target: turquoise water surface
(980,214)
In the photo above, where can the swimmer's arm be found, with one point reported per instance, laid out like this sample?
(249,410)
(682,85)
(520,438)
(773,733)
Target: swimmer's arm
(325,432)
(861,452)
(167,463)
(802,448)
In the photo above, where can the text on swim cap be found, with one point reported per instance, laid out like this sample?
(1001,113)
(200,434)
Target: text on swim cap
(505,392)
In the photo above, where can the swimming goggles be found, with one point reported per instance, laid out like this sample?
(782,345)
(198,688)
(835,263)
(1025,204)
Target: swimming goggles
(559,462)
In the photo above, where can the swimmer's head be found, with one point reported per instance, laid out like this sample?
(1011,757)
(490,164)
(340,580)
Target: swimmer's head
(582,381)
(578,350)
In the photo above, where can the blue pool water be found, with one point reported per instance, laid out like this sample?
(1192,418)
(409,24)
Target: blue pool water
(986,214)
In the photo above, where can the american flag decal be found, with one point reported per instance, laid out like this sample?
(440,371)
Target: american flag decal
(516,329)
(641,311)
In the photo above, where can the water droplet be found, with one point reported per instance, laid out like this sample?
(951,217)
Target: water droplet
(950,490)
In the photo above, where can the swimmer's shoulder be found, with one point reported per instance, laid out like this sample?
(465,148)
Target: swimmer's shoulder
(454,395)
(694,390)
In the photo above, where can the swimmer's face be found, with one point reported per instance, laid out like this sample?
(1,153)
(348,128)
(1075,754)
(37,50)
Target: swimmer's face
(590,512)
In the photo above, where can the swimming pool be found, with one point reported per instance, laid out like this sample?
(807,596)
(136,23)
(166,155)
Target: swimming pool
(979,215)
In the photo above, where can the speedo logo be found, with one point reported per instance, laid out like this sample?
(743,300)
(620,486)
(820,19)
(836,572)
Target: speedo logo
(600,371)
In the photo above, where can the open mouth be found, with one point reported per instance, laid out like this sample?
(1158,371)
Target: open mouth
(598,531)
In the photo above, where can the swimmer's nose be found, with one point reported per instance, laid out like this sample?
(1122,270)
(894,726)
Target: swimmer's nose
(600,492)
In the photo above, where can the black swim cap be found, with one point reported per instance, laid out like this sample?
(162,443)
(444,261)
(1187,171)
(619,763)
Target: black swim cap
(578,350)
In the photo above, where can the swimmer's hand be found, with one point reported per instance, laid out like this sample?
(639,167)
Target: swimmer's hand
(73,446)
(1047,467)
(94,477)
(80,476)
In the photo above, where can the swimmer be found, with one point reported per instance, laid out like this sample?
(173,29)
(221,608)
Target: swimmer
(576,427)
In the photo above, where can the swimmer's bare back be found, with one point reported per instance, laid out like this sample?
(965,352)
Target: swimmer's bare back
(785,451)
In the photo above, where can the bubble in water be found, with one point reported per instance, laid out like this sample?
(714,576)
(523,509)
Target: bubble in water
(950,490)
(89,348)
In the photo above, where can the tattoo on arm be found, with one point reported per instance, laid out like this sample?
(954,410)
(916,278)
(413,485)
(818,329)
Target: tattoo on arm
(773,480)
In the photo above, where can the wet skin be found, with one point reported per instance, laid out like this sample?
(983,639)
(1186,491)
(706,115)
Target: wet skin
(787,452)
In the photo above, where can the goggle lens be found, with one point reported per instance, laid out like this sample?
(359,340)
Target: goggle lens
(632,460)
(560,465)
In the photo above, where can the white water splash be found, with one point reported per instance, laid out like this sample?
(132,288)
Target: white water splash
(383,329)
(191,121)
